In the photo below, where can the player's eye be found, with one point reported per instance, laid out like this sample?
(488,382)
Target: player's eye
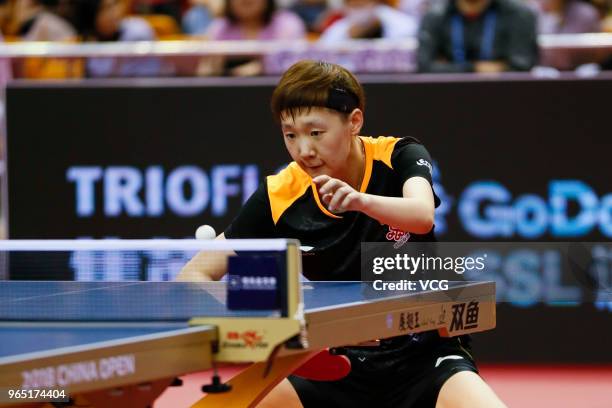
(289,135)
(316,133)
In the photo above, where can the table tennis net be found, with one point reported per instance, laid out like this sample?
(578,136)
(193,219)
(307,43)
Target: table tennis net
(126,260)
(123,280)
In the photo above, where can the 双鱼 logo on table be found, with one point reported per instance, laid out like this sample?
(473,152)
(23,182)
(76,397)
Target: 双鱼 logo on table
(246,339)
(465,316)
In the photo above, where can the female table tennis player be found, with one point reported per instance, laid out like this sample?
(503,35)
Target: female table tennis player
(343,189)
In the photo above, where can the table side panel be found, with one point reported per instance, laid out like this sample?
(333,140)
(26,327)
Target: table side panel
(111,364)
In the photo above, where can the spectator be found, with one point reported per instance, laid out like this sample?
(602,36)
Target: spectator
(35,21)
(170,8)
(5,15)
(106,20)
(370,19)
(329,17)
(417,8)
(311,12)
(256,20)
(197,19)
(250,20)
(566,17)
(478,36)
(606,24)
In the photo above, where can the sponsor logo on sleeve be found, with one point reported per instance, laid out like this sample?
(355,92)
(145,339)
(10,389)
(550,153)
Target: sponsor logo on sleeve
(423,162)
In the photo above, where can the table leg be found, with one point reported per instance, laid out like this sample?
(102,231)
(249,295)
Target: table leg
(250,386)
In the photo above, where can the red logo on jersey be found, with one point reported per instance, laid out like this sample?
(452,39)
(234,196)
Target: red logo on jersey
(394,234)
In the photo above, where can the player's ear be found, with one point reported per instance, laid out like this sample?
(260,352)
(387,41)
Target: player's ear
(355,120)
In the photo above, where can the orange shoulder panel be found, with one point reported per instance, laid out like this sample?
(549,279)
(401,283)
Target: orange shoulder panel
(382,148)
(286,187)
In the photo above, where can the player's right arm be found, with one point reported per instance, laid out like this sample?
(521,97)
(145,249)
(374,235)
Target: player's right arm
(253,221)
(206,265)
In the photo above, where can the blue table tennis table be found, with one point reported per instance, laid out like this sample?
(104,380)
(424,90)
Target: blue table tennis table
(120,344)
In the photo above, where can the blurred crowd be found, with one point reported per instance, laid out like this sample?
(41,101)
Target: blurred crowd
(453,35)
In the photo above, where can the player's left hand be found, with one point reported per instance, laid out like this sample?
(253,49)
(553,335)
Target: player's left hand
(339,196)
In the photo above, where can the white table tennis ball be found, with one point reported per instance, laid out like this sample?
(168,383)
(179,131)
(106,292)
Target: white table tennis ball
(205,232)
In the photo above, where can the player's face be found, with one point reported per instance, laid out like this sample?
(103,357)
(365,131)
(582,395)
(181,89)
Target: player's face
(319,140)
(246,10)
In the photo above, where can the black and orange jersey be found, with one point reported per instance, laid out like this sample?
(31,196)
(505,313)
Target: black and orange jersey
(287,205)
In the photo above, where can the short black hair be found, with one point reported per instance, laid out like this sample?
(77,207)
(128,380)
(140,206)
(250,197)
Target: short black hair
(310,83)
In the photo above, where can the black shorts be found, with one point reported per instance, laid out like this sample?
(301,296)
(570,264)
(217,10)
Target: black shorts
(402,372)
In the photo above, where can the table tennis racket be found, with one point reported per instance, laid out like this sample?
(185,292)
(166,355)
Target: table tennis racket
(325,366)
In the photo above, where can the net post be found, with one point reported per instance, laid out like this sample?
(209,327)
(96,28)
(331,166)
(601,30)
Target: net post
(295,306)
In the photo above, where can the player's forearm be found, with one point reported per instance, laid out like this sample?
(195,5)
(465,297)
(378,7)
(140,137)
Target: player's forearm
(408,214)
(204,266)
(192,272)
